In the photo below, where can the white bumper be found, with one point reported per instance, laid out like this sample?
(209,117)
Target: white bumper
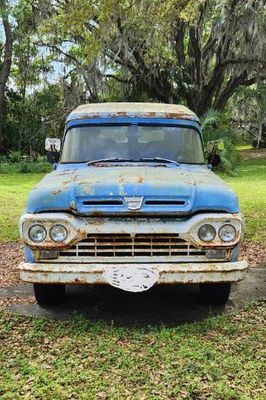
(168,273)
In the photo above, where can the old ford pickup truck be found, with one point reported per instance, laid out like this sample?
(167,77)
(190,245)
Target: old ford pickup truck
(131,202)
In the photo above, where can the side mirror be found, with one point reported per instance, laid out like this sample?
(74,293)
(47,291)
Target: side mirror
(214,149)
(214,160)
(53,147)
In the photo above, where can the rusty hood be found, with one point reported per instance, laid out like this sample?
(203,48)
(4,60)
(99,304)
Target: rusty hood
(141,190)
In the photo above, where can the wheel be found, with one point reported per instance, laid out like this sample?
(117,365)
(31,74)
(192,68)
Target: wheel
(49,294)
(215,294)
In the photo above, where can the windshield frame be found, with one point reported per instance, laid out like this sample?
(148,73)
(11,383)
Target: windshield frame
(132,121)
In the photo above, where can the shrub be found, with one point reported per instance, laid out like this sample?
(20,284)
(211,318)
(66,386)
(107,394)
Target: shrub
(25,167)
(3,158)
(215,128)
(14,156)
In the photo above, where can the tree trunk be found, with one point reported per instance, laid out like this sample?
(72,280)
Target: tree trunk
(5,67)
(24,83)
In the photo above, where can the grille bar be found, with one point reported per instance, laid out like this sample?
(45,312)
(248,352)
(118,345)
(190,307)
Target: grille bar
(125,245)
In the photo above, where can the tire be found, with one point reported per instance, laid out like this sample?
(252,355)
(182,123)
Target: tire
(215,294)
(48,295)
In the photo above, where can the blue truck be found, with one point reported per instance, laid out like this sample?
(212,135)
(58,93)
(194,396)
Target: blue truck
(131,202)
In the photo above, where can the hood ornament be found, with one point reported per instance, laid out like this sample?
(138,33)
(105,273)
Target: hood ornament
(134,203)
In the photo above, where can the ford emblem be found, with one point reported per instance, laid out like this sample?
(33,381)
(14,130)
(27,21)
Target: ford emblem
(134,203)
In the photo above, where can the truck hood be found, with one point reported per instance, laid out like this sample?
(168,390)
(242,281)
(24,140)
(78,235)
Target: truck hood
(141,190)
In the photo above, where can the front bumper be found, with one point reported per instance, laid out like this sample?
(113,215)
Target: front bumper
(168,272)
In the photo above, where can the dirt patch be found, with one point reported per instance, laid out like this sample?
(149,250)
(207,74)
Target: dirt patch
(253,154)
(8,301)
(254,253)
(11,254)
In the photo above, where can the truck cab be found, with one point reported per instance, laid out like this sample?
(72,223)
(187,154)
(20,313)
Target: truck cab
(132,203)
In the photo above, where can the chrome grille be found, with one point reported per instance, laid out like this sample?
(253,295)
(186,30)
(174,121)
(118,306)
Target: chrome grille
(139,245)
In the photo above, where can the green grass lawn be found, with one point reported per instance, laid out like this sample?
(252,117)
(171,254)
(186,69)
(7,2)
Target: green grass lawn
(250,184)
(221,358)
(14,189)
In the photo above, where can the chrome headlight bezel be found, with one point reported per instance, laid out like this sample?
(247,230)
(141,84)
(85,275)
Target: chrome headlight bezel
(48,221)
(217,221)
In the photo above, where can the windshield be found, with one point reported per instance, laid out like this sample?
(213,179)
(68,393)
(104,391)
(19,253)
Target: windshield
(134,142)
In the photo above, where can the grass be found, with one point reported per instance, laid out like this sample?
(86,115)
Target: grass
(244,147)
(14,189)
(249,185)
(221,358)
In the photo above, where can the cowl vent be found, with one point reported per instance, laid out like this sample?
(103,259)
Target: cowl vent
(165,202)
(102,203)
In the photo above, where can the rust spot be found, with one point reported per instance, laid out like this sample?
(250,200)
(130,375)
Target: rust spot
(140,179)
(121,114)
(67,182)
(63,173)
(178,115)
(132,110)
(97,222)
(77,280)
(96,213)
(72,206)
(139,114)
(55,192)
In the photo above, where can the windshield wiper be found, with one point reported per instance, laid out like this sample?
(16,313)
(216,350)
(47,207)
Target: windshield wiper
(158,159)
(145,159)
(102,160)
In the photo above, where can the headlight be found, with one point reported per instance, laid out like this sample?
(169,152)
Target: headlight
(58,233)
(227,233)
(37,233)
(207,233)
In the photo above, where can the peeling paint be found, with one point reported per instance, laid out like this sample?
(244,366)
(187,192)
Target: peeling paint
(169,183)
(55,192)
(132,110)
(140,179)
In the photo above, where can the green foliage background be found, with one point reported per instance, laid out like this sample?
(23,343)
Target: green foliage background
(209,55)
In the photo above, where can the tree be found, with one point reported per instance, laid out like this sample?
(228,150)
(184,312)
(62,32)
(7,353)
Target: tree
(23,64)
(174,51)
(249,113)
(43,116)
(5,61)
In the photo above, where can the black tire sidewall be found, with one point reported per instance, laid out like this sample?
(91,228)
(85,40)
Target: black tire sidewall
(215,294)
(49,294)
